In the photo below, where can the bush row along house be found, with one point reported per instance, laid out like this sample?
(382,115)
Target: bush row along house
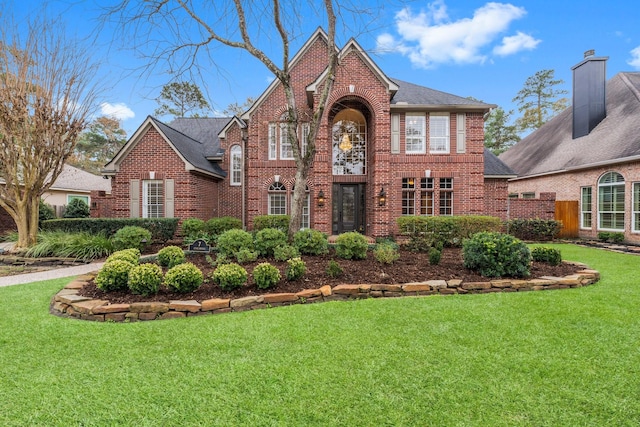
(385,148)
(589,154)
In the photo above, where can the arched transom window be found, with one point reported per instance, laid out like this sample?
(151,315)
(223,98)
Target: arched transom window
(349,143)
(611,201)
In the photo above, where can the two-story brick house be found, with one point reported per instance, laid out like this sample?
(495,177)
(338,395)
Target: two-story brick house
(385,148)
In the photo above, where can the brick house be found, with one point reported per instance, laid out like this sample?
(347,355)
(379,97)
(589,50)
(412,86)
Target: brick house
(386,148)
(589,154)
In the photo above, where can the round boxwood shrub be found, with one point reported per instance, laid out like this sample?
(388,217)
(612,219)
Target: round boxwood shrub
(229,276)
(114,275)
(311,242)
(129,255)
(386,253)
(268,239)
(184,278)
(170,256)
(145,279)
(77,208)
(231,241)
(351,245)
(266,275)
(496,255)
(285,252)
(296,268)
(131,236)
(550,256)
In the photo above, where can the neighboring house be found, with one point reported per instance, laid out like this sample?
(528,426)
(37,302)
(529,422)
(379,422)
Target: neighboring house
(589,153)
(386,148)
(72,183)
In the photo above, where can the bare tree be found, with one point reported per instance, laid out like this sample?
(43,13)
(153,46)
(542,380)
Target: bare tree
(46,96)
(190,28)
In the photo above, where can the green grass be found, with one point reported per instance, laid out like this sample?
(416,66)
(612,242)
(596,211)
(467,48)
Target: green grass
(557,358)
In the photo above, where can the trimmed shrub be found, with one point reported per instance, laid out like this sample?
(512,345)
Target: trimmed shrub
(184,278)
(537,230)
(547,255)
(45,212)
(170,256)
(267,239)
(296,268)
(145,279)
(216,226)
(266,275)
(232,241)
(435,255)
(425,232)
(162,229)
(131,256)
(245,255)
(77,208)
(617,237)
(386,253)
(114,275)
(229,276)
(606,236)
(496,255)
(285,252)
(334,270)
(281,222)
(351,245)
(131,237)
(192,227)
(311,242)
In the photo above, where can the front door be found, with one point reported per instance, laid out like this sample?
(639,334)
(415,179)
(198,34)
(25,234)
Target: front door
(348,208)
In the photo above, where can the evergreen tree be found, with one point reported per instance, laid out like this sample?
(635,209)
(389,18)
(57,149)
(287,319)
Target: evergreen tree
(181,99)
(499,135)
(538,100)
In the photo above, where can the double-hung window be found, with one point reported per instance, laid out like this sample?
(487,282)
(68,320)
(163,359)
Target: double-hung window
(439,133)
(277,199)
(446,196)
(636,207)
(415,130)
(286,147)
(611,201)
(426,196)
(152,199)
(585,207)
(235,166)
(408,196)
(273,142)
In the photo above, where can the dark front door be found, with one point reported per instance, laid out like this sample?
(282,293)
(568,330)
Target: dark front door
(348,208)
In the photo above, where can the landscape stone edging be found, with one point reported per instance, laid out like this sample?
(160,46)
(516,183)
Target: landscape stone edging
(67,302)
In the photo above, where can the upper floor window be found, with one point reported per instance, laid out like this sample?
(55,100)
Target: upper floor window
(415,130)
(280,145)
(349,134)
(235,166)
(286,146)
(439,133)
(611,201)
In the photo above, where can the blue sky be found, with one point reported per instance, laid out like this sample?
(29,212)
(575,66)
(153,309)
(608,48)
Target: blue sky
(465,47)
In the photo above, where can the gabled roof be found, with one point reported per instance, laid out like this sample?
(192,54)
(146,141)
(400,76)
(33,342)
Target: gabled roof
(551,148)
(74,179)
(496,168)
(234,120)
(191,150)
(413,95)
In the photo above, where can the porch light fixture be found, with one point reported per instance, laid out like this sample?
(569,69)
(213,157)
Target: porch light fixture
(345,144)
(320,198)
(382,197)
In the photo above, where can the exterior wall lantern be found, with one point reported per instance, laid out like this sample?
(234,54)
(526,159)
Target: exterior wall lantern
(320,198)
(382,197)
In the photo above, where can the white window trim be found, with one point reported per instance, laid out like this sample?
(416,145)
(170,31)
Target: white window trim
(422,137)
(447,137)
(583,210)
(85,199)
(448,190)
(145,197)
(235,151)
(273,149)
(284,142)
(634,213)
(598,211)
(276,192)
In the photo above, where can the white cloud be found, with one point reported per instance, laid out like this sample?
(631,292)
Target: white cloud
(635,58)
(515,44)
(118,111)
(430,37)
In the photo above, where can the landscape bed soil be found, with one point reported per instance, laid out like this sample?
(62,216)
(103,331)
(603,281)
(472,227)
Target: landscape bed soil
(411,267)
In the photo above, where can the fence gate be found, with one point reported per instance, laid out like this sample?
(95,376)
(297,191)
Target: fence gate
(567,212)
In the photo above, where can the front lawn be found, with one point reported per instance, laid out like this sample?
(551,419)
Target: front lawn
(568,357)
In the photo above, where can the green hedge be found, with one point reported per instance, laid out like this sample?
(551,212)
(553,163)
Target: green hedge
(162,229)
(447,230)
(280,222)
(538,230)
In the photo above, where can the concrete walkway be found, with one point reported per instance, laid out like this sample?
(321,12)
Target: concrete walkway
(57,273)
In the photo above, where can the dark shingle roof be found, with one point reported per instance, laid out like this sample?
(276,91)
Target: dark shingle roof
(493,166)
(194,150)
(413,94)
(552,148)
(203,129)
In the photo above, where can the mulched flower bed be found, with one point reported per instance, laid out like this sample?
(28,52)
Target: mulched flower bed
(411,267)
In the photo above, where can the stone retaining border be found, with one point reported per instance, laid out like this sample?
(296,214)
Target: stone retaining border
(67,302)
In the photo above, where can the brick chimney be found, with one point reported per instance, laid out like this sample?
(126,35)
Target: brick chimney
(589,83)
